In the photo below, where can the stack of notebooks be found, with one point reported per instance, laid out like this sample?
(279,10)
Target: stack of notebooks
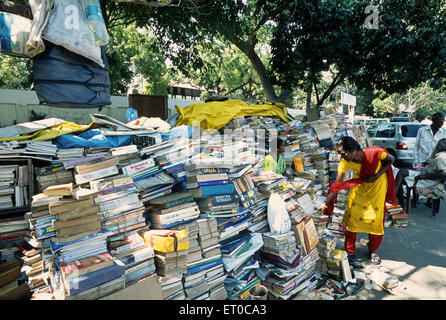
(172,210)
(338,265)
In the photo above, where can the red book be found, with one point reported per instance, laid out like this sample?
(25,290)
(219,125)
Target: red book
(86,265)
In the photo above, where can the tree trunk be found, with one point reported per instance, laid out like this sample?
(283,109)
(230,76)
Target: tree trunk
(268,88)
(312,111)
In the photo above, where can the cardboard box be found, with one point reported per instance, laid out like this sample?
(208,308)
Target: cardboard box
(145,289)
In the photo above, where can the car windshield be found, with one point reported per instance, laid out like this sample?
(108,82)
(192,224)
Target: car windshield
(410,130)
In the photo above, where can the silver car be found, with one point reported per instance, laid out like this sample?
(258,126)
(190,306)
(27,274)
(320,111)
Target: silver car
(398,138)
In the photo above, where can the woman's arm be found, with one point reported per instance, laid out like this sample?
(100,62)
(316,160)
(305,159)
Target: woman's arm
(385,165)
(322,209)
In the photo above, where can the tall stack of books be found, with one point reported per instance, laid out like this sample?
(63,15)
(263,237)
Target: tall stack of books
(199,286)
(68,280)
(338,265)
(240,264)
(10,289)
(172,287)
(14,184)
(127,155)
(326,245)
(282,258)
(137,257)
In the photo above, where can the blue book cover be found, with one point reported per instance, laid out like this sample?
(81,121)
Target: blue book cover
(170,225)
(220,200)
(205,266)
(208,191)
(138,274)
(104,233)
(93,279)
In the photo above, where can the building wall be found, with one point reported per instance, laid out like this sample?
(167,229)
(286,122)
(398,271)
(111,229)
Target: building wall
(16,107)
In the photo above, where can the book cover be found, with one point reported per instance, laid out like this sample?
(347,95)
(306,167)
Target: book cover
(84,178)
(208,191)
(137,167)
(86,265)
(84,282)
(164,201)
(87,168)
(206,177)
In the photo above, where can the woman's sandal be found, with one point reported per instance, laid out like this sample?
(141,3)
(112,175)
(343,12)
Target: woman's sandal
(374,258)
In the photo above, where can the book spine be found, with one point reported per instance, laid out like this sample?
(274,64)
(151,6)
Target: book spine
(116,203)
(178,202)
(209,191)
(83,178)
(174,216)
(204,266)
(212,183)
(128,228)
(128,247)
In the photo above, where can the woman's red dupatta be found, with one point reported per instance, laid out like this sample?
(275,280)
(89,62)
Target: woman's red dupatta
(369,164)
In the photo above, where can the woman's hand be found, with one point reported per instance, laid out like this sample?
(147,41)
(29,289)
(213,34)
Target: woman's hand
(372,178)
(323,209)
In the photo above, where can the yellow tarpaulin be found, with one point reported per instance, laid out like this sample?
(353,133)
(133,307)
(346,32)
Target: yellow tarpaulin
(51,132)
(216,114)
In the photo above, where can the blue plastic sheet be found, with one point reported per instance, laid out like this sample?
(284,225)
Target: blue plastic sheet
(91,139)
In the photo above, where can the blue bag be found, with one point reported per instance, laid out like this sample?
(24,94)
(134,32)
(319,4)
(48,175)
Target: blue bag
(67,80)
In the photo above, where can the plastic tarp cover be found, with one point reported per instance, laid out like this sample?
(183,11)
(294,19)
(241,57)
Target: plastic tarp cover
(51,132)
(91,139)
(216,114)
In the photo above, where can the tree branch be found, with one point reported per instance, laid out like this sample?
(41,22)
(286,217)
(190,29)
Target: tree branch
(155,4)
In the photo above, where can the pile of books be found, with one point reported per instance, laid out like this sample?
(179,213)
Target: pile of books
(397,214)
(10,286)
(172,287)
(326,245)
(52,175)
(14,186)
(338,265)
(42,149)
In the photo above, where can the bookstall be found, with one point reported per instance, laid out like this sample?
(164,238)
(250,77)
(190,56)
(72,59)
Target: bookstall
(183,214)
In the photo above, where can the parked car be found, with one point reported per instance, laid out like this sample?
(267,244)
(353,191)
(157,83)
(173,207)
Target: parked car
(398,138)
(400,119)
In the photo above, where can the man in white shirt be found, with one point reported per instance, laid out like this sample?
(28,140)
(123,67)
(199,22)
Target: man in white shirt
(427,139)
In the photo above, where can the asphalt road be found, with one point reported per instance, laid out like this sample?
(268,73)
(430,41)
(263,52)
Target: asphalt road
(415,255)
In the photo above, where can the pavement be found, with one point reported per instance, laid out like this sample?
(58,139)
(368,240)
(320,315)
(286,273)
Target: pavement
(415,255)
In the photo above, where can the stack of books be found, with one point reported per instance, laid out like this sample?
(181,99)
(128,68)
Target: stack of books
(42,149)
(172,210)
(240,263)
(10,287)
(127,155)
(172,287)
(198,287)
(282,257)
(397,215)
(137,257)
(150,181)
(52,175)
(338,265)
(326,245)
(69,154)
(14,184)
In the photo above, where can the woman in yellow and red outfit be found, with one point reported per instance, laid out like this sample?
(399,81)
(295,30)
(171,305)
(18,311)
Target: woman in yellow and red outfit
(372,186)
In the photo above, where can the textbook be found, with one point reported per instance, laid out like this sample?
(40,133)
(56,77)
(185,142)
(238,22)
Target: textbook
(207,191)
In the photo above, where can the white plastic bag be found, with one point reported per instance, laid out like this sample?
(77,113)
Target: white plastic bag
(67,27)
(278,219)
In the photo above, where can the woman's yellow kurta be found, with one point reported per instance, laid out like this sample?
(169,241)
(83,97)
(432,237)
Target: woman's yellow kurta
(364,211)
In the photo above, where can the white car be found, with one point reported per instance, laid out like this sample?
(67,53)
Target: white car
(398,138)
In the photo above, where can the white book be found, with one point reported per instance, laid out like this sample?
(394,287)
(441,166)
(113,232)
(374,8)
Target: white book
(84,178)
(116,203)
(134,168)
(176,215)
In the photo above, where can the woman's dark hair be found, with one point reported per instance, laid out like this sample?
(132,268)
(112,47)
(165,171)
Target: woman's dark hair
(348,144)
(280,143)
